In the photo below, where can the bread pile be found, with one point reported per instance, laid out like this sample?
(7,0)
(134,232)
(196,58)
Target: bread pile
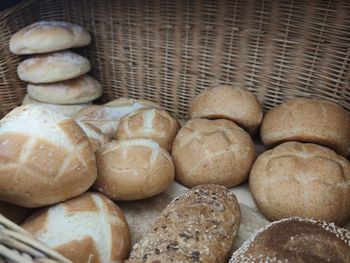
(56,76)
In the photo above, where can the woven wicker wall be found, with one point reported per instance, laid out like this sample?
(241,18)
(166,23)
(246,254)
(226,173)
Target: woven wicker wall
(168,51)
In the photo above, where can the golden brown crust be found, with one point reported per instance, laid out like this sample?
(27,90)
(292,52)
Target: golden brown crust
(308,120)
(198,226)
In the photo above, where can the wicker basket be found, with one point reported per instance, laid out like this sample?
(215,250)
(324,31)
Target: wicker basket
(168,51)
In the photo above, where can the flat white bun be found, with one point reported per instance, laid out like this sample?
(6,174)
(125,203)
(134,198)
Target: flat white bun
(48,36)
(45,157)
(88,228)
(79,90)
(53,67)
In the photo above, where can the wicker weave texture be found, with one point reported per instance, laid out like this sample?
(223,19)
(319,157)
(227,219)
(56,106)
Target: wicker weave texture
(168,51)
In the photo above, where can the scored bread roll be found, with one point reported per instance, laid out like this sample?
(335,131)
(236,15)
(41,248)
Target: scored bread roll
(52,67)
(79,90)
(308,120)
(45,158)
(212,151)
(96,137)
(88,228)
(302,179)
(198,226)
(48,36)
(66,110)
(153,124)
(106,117)
(296,240)
(133,169)
(227,102)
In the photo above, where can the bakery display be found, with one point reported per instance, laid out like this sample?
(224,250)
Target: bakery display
(94,134)
(198,226)
(45,158)
(302,179)
(75,91)
(296,240)
(227,102)
(133,169)
(308,120)
(212,151)
(48,36)
(52,67)
(153,124)
(88,228)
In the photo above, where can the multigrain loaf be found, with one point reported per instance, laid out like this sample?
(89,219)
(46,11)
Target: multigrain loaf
(302,179)
(79,90)
(48,36)
(153,124)
(198,226)
(212,151)
(296,240)
(45,157)
(96,137)
(133,169)
(88,228)
(308,120)
(52,67)
(227,102)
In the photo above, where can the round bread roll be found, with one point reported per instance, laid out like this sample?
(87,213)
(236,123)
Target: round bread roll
(296,240)
(153,124)
(45,158)
(80,90)
(212,152)
(66,110)
(198,226)
(106,117)
(96,137)
(227,102)
(308,120)
(52,67)
(306,180)
(48,36)
(133,169)
(88,228)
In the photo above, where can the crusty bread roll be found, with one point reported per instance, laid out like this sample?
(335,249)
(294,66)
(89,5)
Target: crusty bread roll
(212,151)
(52,67)
(13,212)
(107,117)
(296,240)
(96,137)
(66,110)
(45,158)
(227,102)
(79,90)
(153,124)
(88,228)
(308,120)
(48,36)
(133,169)
(306,180)
(198,226)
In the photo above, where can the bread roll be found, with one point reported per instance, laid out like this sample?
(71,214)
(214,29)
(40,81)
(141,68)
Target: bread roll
(88,228)
(308,120)
(212,151)
(227,102)
(48,36)
(198,226)
(153,124)
(45,158)
(13,212)
(107,117)
(52,67)
(80,90)
(96,137)
(306,180)
(66,110)
(133,169)
(296,240)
